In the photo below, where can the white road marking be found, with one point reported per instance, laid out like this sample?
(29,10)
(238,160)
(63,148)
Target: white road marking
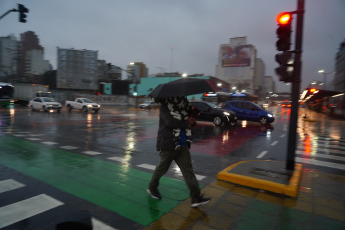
(320,163)
(15,212)
(283,135)
(99,225)
(91,153)
(68,147)
(274,143)
(263,153)
(326,156)
(8,185)
(33,139)
(120,159)
(49,143)
(152,167)
(147,166)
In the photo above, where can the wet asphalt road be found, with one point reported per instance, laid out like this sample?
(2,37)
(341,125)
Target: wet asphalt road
(126,137)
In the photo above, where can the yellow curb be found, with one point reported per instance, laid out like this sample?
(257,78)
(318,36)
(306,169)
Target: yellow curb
(290,190)
(310,120)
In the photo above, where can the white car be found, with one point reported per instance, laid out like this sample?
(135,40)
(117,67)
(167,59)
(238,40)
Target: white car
(149,105)
(46,104)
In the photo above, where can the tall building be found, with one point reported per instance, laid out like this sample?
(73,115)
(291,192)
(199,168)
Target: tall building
(9,56)
(28,41)
(138,70)
(339,79)
(237,65)
(77,69)
(35,64)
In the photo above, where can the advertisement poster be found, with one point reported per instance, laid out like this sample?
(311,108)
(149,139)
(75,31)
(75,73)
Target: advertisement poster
(236,56)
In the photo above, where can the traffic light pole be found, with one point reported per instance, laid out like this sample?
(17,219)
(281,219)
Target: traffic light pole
(295,88)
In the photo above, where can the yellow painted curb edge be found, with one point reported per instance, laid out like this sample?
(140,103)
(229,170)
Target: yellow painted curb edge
(290,190)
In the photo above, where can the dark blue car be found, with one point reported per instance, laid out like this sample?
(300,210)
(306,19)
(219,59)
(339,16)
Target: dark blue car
(246,110)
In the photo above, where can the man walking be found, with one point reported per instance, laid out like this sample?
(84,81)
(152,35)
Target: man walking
(168,152)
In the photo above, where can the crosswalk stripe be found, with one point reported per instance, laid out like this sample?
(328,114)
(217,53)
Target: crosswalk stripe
(152,167)
(326,156)
(15,212)
(33,139)
(68,147)
(320,163)
(8,185)
(49,143)
(120,159)
(91,153)
(99,225)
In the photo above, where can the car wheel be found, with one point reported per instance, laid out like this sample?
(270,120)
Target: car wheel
(69,107)
(44,108)
(84,109)
(217,121)
(263,120)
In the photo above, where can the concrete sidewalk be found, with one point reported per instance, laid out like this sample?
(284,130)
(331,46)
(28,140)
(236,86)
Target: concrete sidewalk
(320,204)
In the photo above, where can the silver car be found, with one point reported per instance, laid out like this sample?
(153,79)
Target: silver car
(46,104)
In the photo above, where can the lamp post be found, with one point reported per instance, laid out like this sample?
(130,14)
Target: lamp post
(321,71)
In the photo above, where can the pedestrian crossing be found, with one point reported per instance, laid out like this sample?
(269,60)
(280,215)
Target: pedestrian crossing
(23,209)
(35,138)
(322,151)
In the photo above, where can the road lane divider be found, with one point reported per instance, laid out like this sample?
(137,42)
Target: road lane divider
(263,153)
(274,143)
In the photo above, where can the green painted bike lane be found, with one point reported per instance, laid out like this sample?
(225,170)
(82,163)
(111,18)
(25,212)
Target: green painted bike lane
(118,188)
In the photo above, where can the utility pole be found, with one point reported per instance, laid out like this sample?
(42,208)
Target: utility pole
(295,88)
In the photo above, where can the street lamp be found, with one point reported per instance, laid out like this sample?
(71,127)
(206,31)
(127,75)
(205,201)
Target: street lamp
(321,71)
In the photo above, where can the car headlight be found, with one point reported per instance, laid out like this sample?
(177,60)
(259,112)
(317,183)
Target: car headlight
(269,115)
(226,113)
(89,105)
(98,106)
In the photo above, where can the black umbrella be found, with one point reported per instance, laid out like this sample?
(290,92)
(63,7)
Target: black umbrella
(181,87)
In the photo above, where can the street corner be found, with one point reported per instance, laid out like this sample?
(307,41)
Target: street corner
(264,174)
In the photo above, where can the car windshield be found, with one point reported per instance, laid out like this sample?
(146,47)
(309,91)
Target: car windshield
(48,99)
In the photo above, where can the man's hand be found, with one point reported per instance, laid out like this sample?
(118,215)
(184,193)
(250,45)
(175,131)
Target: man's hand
(191,121)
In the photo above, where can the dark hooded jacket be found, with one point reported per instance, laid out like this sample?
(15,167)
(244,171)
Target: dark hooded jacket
(165,137)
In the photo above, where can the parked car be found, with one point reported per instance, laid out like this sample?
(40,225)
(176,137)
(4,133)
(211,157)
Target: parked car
(247,110)
(45,103)
(213,113)
(84,104)
(149,105)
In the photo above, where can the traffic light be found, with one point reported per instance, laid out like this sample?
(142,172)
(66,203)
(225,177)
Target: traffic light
(284,20)
(22,12)
(285,70)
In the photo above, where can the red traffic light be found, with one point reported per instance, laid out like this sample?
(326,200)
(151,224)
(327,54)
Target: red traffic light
(284,18)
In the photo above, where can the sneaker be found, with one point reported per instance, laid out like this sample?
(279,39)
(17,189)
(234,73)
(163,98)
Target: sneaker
(200,201)
(177,147)
(154,194)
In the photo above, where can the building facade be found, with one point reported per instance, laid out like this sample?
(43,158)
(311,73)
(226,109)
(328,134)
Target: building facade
(35,63)
(77,69)
(237,63)
(136,71)
(339,78)
(9,56)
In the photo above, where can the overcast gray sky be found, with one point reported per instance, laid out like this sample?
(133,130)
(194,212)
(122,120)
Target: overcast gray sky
(179,35)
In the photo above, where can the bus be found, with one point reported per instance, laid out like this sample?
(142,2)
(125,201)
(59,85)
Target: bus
(6,94)
(220,98)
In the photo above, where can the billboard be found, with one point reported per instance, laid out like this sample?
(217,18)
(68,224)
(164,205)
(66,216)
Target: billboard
(236,56)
